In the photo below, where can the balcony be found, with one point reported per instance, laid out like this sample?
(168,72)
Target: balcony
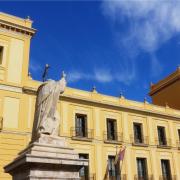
(82,134)
(144,141)
(123,177)
(149,177)
(168,177)
(166,143)
(115,138)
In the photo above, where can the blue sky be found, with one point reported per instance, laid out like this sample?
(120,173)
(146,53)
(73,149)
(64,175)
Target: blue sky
(118,46)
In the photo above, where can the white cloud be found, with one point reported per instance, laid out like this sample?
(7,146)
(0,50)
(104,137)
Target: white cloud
(74,76)
(152,21)
(99,75)
(103,75)
(34,66)
(125,75)
(149,24)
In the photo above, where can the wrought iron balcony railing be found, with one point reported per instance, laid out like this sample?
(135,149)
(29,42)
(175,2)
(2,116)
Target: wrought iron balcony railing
(174,177)
(148,177)
(115,137)
(166,143)
(82,133)
(143,141)
(122,177)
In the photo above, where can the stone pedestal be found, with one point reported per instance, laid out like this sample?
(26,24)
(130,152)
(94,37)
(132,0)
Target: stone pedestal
(48,158)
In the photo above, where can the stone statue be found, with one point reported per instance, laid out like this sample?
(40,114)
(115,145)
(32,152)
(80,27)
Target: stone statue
(47,156)
(46,118)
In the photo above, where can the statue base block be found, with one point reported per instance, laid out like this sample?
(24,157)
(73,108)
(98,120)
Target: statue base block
(48,158)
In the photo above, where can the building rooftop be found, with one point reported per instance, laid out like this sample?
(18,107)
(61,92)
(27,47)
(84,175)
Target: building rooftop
(14,23)
(165,82)
(110,101)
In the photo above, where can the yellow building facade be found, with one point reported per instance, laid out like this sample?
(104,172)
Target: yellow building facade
(95,125)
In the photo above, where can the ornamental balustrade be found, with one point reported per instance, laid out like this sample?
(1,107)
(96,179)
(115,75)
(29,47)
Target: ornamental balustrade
(113,137)
(82,133)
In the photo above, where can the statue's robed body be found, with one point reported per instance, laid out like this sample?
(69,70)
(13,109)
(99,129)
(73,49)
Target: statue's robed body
(46,118)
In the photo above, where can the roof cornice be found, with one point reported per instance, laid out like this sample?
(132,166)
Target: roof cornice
(165,82)
(17,28)
(121,104)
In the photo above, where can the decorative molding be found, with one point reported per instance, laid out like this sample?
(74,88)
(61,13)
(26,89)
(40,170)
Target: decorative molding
(29,90)
(15,132)
(127,107)
(10,88)
(110,104)
(17,28)
(172,78)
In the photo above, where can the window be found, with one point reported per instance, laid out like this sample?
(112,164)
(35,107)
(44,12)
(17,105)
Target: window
(161,136)
(1,54)
(166,172)
(84,171)
(111,129)
(142,168)
(111,167)
(81,125)
(138,133)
